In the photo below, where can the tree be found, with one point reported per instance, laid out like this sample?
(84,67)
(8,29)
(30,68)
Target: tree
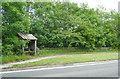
(15,20)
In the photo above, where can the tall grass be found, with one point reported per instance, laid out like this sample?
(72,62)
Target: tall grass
(15,58)
(77,51)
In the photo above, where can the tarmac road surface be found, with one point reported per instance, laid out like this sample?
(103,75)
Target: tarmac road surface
(104,69)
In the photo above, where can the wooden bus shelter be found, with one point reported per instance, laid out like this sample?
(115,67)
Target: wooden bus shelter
(31,46)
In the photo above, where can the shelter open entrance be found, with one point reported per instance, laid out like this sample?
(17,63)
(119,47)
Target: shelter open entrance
(31,46)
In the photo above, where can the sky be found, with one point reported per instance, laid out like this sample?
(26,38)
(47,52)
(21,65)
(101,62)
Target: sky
(108,4)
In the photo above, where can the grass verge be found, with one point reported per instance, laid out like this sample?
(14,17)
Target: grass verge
(43,53)
(16,58)
(51,52)
(69,59)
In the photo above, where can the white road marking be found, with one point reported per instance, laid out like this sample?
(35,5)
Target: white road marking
(74,65)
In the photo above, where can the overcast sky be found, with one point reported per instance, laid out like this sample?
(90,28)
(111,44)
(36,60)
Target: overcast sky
(108,4)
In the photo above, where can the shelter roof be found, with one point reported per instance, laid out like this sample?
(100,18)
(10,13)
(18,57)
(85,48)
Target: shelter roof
(27,36)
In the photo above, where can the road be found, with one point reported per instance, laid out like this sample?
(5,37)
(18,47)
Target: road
(104,69)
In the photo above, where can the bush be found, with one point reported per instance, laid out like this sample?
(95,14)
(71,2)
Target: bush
(8,50)
(13,46)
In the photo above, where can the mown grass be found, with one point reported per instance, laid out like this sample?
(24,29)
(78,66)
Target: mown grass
(51,52)
(70,59)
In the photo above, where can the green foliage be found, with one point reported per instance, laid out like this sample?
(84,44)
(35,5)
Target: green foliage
(67,25)
(58,24)
(15,20)
(13,46)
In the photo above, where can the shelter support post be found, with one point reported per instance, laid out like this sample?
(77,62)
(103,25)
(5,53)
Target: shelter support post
(23,48)
(35,48)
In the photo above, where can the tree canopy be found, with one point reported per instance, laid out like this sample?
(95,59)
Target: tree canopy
(58,24)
